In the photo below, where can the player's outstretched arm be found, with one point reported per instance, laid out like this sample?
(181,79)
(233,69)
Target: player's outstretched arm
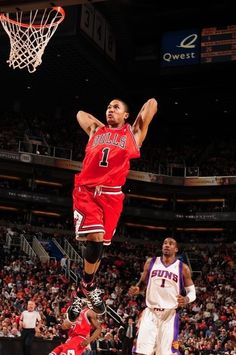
(143,119)
(92,317)
(88,122)
(141,284)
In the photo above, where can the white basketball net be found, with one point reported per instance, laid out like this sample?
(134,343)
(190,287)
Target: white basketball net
(29,40)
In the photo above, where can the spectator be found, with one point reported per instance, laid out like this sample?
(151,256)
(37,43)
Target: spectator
(29,320)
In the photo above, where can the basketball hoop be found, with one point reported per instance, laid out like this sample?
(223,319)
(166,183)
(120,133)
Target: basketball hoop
(29,34)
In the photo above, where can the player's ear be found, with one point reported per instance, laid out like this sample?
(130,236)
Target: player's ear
(126,115)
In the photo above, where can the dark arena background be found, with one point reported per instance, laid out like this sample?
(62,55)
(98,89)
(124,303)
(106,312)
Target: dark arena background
(183,54)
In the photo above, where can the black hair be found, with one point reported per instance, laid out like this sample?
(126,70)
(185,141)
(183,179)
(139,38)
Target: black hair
(124,103)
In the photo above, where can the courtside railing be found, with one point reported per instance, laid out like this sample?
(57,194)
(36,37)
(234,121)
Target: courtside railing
(26,247)
(40,251)
(71,252)
(47,150)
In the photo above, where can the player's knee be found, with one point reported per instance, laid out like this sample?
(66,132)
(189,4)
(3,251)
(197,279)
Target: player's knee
(93,251)
(95,237)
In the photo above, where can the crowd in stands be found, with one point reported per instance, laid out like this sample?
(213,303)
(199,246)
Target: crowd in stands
(206,155)
(208,325)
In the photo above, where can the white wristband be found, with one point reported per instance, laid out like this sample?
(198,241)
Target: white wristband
(190,293)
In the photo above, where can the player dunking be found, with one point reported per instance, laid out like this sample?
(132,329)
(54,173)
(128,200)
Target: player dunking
(97,194)
(165,279)
(79,336)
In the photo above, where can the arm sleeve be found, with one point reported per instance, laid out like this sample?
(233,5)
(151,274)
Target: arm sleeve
(190,293)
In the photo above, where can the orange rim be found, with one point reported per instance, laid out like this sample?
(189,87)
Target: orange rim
(56,8)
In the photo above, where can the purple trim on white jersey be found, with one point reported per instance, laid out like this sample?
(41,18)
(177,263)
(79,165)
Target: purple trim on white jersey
(176,333)
(166,266)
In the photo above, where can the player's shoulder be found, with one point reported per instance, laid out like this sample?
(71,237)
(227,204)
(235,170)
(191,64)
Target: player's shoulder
(150,260)
(185,267)
(97,128)
(130,128)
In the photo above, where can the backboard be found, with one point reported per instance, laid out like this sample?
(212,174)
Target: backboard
(22,5)
(30,25)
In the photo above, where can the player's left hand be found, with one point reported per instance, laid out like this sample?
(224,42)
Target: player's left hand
(182,301)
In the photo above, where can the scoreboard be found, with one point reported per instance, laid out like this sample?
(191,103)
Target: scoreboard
(218,44)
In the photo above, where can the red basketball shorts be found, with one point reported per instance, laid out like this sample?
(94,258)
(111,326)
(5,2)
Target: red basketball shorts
(97,209)
(70,347)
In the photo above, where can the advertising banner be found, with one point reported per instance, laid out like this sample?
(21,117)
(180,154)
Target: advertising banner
(180,48)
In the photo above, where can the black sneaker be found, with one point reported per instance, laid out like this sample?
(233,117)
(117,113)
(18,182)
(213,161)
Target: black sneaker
(74,310)
(93,295)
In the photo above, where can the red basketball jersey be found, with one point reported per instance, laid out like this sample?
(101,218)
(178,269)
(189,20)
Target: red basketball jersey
(77,333)
(82,325)
(107,157)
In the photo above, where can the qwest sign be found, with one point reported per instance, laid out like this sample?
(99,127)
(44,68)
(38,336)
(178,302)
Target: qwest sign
(180,48)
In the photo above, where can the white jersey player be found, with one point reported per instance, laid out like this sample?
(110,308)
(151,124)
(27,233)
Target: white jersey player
(166,279)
